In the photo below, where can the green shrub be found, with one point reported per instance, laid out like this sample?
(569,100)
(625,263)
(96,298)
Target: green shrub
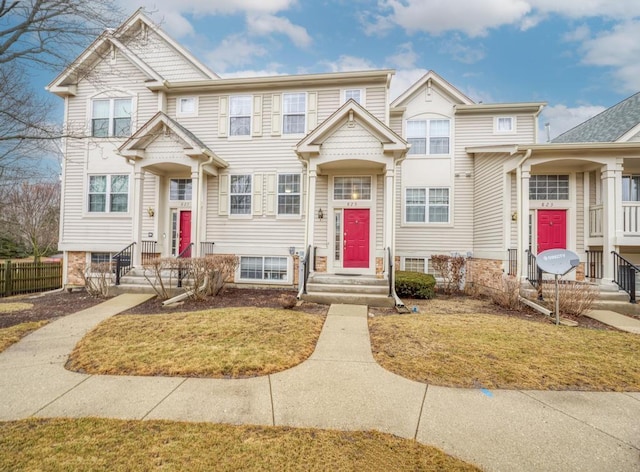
(415,285)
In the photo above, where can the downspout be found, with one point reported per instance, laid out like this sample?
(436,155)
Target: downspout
(310,214)
(519,197)
(200,188)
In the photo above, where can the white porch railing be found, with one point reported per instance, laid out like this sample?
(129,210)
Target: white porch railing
(595,220)
(631,217)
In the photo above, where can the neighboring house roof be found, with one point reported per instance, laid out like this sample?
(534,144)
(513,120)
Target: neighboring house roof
(135,146)
(607,127)
(429,79)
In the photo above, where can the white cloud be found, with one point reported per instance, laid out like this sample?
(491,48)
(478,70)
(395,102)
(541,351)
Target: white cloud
(347,63)
(581,33)
(234,51)
(462,52)
(265,24)
(404,58)
(404,79)
(562,118)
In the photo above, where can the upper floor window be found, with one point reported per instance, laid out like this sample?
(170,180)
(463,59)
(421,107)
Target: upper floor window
(289,194)
(180,189)
(294,108)
(549,187)
(505,124)
(240,194)
(428,136)
(240,115)
(352,188)
(356,94)
(424,205)
(111,117)
(187,106)
(631,188)
(108,193)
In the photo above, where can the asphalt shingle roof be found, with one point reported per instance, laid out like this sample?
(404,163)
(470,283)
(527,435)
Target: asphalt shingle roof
(606,127)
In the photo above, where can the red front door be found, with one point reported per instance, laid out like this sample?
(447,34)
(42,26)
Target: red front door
(185,231)
(356,238)
(552,229)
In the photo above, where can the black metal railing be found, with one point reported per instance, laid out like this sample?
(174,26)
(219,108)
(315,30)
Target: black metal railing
(306,269)
(624,273)
(595,266)
(512,257)
(124,261)
(149,251)
(534,273)
(184,254)
(206,248)
(390,271)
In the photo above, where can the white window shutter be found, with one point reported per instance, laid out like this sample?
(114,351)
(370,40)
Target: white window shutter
(312,110)
(276,115)
(256,127)
(223,194)
(257,194)
(223,116)
(271,194)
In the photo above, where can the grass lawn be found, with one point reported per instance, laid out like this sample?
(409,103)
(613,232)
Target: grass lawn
(492,351)
(223,343)
(13,334)
(101,444)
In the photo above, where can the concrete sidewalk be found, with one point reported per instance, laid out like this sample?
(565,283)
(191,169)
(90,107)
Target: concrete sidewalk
(340,387)
(611,318)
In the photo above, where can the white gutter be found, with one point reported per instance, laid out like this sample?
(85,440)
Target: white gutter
(519,199)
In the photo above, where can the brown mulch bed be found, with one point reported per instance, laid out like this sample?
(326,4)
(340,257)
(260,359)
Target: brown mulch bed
(46,306)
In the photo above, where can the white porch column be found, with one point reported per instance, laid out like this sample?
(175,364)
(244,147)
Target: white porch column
(138,200)
(612,223)
(523,220)
(389,224)
(311,210)
(196,202)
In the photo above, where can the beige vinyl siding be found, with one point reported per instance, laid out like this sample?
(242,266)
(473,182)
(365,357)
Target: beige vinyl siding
(380,216)
(396,124)
(488,220)
(514,209)
(162,57)
(329,100)
(580,229)
(320,237)
(149,201)
(376,104)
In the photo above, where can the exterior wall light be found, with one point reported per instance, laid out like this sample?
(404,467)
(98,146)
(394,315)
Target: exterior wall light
(320,214)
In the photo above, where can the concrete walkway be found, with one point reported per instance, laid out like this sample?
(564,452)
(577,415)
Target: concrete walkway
(340,387)
(611,318)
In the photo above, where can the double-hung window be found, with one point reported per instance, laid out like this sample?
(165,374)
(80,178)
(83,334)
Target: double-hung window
(288,194)
(426,205)
(108,193)
(240,115)
(240,195)
(428,136)
(294,108)
(111,117)
(631,188)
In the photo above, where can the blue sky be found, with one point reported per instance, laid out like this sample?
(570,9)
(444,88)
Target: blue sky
(579,56)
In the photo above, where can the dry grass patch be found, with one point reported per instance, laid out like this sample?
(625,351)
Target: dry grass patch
(14,306)
(226,342)
(13,334)
(101,444)
(490,351)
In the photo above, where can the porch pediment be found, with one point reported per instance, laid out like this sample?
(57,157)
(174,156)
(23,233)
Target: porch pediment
(352,116)
(161,126)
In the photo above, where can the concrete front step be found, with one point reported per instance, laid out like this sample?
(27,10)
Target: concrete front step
(335,279)
(328,298)
(314,287)
(604,296)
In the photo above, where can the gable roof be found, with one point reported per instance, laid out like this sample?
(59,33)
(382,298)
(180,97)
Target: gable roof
(428,79)
(608,126)
(64,83)
(351,110)
(135,146)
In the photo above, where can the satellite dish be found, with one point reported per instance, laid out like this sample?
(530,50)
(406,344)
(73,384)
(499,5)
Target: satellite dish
(557,261)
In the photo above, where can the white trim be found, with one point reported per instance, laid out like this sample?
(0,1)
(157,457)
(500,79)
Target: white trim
(196,104)
(287,281)
(363,95)
(512,130)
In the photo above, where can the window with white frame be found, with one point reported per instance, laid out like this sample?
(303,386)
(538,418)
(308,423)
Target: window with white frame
(240,115)
(294,108)
(352,188)
(426,205)
(505,124)
(240,194)
(355,94)
(631,188)
(100,257)
(108,194)
(263,268)
(111,117)
(415,264)
(288,194)
(428,137)
(180,189)
(187,106)
(549,187)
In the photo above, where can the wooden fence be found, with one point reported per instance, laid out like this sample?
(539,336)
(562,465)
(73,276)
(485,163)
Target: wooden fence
(29,277)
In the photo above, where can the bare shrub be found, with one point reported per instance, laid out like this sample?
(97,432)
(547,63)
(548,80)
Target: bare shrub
(576,298)
(451,270)
(509,294)
(287,300)
(224,268)
(97,278)
(159,272)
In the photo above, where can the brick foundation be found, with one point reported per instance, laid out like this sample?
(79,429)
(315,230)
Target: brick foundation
(380,268)
(485,274)
(76,263)
(321,263)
